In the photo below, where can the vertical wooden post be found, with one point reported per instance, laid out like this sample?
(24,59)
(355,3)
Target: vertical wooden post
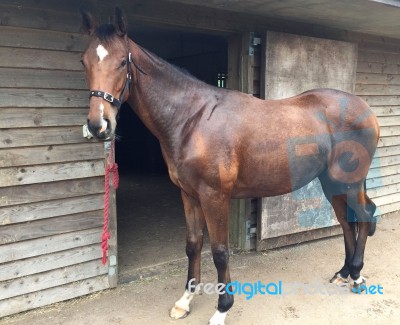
(240,77)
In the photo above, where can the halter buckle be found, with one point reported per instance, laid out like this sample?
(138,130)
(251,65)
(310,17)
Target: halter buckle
(108,97)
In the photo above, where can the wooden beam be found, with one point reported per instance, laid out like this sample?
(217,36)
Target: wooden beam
(43,263)
(35,78)
(11,97)
(44,59)
(50,244)
(52,295)
(50,209)
(36,117)
(43,228)
(25,137)
(17,195)
(16,157)
(11,176)
(42,39)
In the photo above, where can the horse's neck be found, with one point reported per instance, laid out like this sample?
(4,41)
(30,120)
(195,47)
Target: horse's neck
(163,97)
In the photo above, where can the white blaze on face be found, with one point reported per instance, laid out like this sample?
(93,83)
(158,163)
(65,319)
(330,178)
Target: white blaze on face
(101,52)
(103,121)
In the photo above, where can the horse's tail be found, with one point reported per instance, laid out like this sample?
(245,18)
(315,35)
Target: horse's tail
(371,207)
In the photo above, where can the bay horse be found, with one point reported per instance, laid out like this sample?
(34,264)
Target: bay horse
(220,144)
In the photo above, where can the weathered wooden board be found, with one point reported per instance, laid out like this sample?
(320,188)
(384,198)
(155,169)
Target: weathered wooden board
(11,97)
(389,141)
(378,162)
(36,78)
(50,244)
(330,63)
(387,199)
(43,59)
(390,131)
(388,151)
(26,156)
(51,191)
(50,209)
(377,79)
(43,228)
(42,39)
(382,100)
(378,56)
(383,181)
(362,89)
(36,117)
(389,120)
(391,207)
(52,295)
(384,171)
(374,67)
(54,278)
(384,190)
(48,262)
(386,111)
(50,173)
(25,137)
(21,15)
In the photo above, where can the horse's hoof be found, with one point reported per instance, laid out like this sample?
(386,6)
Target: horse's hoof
(178,313)
(339,280)
(359,285)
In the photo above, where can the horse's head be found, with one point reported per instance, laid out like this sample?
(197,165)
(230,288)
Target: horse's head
(108,71)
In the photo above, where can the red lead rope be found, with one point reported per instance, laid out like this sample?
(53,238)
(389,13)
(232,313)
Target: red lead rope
(111,167)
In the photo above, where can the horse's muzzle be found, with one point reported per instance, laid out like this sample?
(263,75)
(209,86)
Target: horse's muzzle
(100,131)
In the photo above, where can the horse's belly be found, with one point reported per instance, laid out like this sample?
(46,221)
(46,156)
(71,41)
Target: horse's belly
(270,176)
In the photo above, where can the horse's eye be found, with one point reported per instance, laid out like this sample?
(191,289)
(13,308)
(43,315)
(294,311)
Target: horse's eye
(81,61)
(123,63)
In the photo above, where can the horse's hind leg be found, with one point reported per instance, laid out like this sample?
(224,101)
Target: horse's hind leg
(195,224)
(344,216)
(364,209)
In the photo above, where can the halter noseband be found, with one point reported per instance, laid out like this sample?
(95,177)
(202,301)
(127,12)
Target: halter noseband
(109,97)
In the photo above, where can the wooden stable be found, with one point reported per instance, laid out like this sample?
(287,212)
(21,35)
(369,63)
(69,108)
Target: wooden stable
(52,179)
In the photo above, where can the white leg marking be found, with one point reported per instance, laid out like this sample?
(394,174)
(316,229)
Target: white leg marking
(185,300)
(101,52)
(358,281)
(182,306)
(218,318)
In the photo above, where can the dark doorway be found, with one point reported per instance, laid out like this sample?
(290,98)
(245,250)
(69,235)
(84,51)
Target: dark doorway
(151,224)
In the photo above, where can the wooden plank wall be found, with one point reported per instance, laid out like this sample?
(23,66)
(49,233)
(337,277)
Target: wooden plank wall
(51,178)
(378,82)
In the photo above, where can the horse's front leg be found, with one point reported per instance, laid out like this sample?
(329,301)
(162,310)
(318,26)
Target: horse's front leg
(195,224)
(216,211)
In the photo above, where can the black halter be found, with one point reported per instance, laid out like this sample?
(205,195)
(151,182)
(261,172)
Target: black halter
(109,97)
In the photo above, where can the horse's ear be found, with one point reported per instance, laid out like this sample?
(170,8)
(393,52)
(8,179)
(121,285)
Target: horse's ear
(120,22)
(88,24)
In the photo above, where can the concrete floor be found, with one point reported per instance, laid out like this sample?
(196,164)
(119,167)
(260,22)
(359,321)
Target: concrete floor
(147,301)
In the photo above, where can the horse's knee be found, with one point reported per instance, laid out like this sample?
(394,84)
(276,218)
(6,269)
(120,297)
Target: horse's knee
(193,245)
(220,256)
